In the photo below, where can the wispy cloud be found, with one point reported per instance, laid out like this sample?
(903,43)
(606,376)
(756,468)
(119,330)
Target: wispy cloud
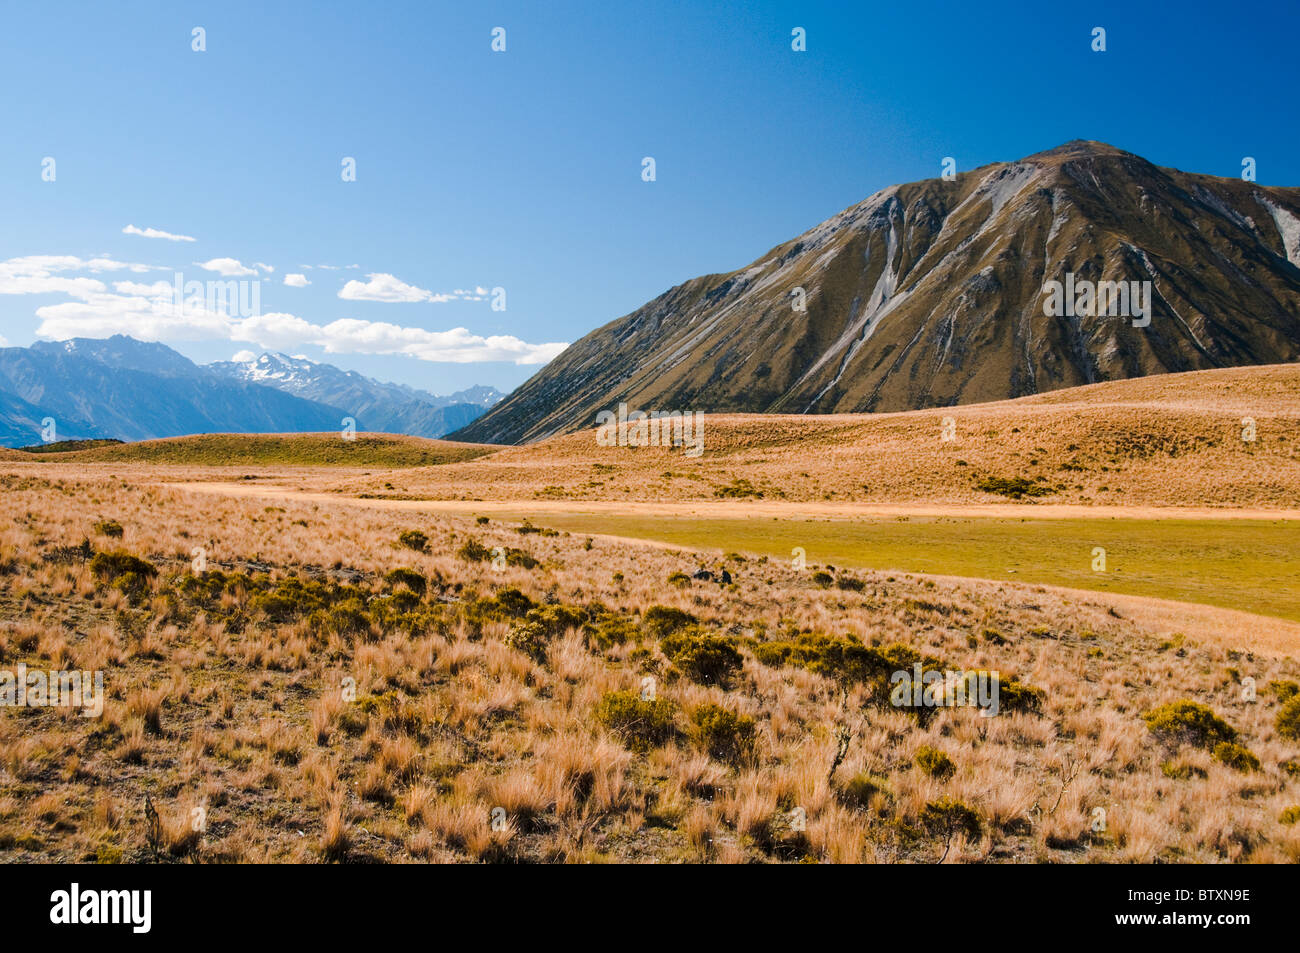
(156,233)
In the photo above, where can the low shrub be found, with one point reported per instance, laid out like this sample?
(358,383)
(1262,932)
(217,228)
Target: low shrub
(110,528)
(641,724)
(701,656)
(1189,722)
(1288,720)
(413,539)
(407,577)
(1235,756)
(948,816)
(723,733)
(935,763)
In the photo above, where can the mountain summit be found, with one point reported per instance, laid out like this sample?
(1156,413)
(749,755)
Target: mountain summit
(933,294)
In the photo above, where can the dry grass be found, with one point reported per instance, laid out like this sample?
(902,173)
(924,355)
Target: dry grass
(397,726)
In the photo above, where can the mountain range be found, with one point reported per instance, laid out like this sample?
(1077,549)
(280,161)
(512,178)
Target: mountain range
(126,389)
(932,294)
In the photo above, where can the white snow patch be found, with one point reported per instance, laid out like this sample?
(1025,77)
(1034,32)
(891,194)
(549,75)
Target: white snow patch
(1288,227)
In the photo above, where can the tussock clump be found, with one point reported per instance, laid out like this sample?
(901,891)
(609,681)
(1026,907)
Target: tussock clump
(110,528)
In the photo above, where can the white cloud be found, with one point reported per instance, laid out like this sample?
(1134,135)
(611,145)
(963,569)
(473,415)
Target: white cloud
(38,274)
(265,267)
(226,267)
(244,357)
(149,312)
(155,233)
(135,288)
(157,318)
(296,281)
(384,287)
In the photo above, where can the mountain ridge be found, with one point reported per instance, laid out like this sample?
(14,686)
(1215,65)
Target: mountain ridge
(125,389)
(930,294)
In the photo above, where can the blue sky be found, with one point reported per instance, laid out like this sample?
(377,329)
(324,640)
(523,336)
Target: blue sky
(521,169)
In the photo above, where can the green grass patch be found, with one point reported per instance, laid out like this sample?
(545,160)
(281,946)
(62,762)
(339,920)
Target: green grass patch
(1242,564)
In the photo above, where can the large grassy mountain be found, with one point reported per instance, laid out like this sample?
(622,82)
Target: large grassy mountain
(931,294)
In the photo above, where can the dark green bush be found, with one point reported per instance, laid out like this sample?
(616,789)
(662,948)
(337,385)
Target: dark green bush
(1236,756)
(473,551)
(858,790)
(413,539)
(1284,690)
(110,528)
(659,621)
(641,724)
(1014,487)
(701,656)
(108,566)
(948,816)
(935,763)
(723,733)
(1288,720)
(407,577)
(1189,722)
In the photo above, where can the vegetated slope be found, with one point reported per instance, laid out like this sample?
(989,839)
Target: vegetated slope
(299,449)
(1175,440)
(931,294)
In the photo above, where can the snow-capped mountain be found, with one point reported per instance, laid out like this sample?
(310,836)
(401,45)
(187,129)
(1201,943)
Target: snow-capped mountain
(126,389)
(379,406)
